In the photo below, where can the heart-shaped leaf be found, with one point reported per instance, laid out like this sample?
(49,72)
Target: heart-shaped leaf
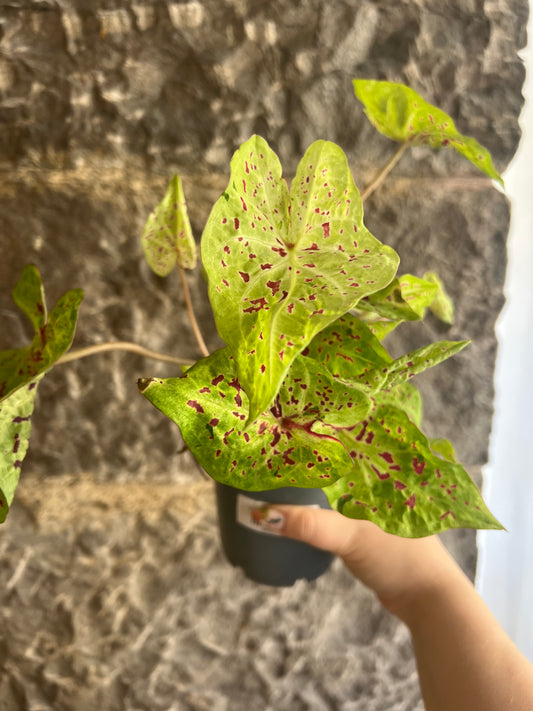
(401,114)
(167,237)
(53,332)
(282,266)
(412,364)
(281,447)
(401,485)
(15,424)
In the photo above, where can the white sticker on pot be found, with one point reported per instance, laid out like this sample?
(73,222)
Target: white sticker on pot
(249,514)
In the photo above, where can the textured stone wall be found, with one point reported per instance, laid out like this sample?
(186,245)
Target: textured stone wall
(99,103)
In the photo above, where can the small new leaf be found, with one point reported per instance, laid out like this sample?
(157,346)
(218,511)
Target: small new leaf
(401,114)
(167,237)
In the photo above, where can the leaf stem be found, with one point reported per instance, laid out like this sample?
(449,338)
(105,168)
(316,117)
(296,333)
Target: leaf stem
(380,177)
(121,346)
(190,311)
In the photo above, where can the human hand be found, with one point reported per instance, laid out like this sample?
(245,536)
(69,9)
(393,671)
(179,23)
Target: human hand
(400,570)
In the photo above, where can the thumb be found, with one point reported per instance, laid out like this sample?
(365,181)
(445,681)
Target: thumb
(322,528)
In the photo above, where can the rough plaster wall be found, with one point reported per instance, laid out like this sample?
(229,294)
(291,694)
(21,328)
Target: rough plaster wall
(100,102)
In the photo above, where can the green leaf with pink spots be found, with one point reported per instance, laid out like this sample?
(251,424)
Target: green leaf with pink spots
(406,298)
(401,114)
(400,484)
(167,237)
(406,397)
(284,265)
(281,447)
(406,367)
(349,350)
(53,332)
(15,424)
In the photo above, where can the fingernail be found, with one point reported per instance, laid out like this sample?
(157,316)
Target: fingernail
(269,519)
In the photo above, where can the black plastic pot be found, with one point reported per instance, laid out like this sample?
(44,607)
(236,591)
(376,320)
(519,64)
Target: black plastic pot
(264,557)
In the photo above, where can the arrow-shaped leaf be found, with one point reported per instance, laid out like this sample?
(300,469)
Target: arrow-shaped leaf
(401,485)
(401,114)
(53,333)
(281,447)
(412,364)
(167,237)
(283,266)
(15,425)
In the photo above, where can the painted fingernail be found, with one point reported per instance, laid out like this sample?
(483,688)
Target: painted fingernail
(269,519)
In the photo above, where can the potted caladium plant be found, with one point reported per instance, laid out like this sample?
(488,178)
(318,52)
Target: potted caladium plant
(304,397)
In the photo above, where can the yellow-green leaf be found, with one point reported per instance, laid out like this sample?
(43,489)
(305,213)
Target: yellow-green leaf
(401,114)
(167,237)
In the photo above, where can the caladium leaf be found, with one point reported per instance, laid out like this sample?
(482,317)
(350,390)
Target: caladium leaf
(15,424)
(401,114)
(381,329)
(406,397)
(53,332)
(167,237)
(442,305)
(406,298)
(282,266)
(412,364)
(281,447)
(348,349)
(400,484)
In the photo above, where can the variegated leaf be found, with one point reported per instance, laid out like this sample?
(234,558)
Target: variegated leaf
(412,364)
(401,114)
(281,447)
(282,266)
(406,298)
(15,425)
(400,484)
(53,332)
